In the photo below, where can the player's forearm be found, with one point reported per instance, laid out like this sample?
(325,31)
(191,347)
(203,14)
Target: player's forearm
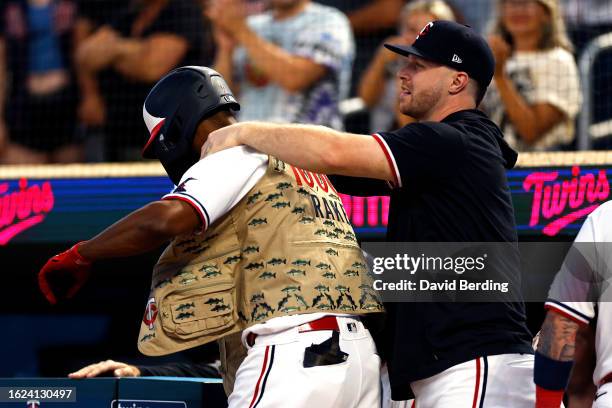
(318,148)
(137,233)
(306,146)
(289,71)
(553,359)
(558,337)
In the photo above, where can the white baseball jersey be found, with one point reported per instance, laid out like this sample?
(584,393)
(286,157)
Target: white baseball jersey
(215,184)
(582,286)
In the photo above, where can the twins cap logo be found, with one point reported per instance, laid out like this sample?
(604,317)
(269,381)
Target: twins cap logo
(33,404)
(181,187)
(150,314)
(425,30)
(457,59)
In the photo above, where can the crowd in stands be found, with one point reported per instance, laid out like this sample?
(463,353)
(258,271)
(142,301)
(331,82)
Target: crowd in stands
(74,73)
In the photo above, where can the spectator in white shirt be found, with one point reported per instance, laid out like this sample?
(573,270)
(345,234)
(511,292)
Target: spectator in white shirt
(536,92)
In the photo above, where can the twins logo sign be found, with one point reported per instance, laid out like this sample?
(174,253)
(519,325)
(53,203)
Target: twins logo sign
(559,200)
(150,314)
(33,404)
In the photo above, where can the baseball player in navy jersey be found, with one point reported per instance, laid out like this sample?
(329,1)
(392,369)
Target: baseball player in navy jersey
(448,177)
(580,294)
(250,255)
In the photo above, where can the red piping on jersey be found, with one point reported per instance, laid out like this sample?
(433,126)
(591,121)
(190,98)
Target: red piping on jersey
(195,206)
(477,383)
(263,370)
(389,159)
(565,314)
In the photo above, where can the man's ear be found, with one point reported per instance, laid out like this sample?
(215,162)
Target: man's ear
(460,82)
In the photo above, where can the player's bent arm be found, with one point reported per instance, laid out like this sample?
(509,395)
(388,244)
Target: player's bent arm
(314,148)
(143,230)
(199,200)
(554,358)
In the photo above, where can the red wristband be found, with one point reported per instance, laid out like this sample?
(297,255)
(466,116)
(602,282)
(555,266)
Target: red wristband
(548,398)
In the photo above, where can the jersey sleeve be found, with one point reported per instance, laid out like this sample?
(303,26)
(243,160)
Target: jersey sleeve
(573,289)
(215,184)
(421,152)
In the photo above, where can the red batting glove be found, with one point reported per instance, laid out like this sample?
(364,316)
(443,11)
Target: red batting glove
(63,275)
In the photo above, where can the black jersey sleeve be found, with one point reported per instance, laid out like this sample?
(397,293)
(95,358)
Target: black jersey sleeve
(422,151)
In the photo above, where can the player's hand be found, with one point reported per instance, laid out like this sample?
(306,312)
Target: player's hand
(63,275)
(225,138)
(117,368)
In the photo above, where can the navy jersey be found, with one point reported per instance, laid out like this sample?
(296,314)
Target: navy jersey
(450,186)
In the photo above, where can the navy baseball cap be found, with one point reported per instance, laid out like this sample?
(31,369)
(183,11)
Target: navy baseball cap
(455,45)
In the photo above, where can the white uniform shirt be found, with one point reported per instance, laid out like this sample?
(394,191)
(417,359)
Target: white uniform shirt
(215,184)
(587,275)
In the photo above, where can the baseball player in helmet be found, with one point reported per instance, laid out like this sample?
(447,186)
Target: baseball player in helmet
(262,255)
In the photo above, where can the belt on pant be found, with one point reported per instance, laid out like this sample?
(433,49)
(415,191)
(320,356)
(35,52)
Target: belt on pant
(324,323)
(607,378)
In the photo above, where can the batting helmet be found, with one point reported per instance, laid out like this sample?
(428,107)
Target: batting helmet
(173,110)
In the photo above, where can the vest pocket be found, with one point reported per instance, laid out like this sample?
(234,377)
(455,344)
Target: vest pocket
(199,312)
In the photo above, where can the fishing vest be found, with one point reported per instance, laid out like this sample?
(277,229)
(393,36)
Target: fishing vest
(286,248)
